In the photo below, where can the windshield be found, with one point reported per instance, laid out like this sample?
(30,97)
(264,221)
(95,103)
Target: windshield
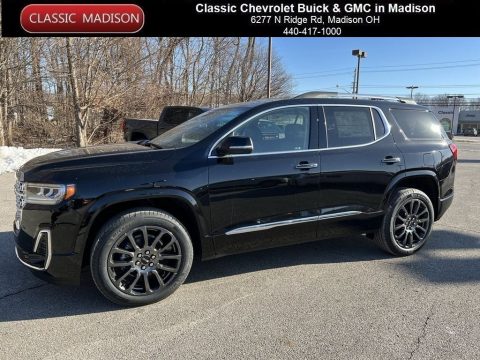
(199,127)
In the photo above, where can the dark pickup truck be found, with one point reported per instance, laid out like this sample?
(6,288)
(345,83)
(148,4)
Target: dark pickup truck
(147,129)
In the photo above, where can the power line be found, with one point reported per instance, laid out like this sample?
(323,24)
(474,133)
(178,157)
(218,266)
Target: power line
(425,68)
(424,64)
(398,94)
(325,75)
(432,86)
(323,72)
(391,68)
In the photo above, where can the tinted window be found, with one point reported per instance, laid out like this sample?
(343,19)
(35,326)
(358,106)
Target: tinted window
(176,116)
(417,124)
(285,129)
(348,126)
(379,125)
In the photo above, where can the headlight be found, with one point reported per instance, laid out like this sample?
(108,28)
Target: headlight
(48,194)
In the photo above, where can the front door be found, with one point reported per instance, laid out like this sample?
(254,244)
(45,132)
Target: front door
(270,197)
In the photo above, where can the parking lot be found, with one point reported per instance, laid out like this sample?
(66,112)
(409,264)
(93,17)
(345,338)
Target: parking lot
(333,299)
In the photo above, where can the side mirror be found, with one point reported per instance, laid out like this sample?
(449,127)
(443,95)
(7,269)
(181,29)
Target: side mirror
(235,145)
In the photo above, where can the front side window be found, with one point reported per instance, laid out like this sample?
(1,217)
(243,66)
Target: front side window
(281,130)
(418,124)
(349,126)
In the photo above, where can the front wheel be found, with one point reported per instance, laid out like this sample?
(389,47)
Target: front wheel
(407,222)
(141,257)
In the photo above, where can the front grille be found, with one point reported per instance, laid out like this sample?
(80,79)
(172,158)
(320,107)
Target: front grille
(20,201)
(20,194)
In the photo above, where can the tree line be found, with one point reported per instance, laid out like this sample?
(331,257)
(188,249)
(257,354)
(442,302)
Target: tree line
(74,91)
(445,100)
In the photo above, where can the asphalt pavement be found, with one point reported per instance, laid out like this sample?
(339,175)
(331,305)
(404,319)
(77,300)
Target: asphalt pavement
(335,299)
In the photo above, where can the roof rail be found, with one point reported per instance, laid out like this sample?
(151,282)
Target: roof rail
(335,95)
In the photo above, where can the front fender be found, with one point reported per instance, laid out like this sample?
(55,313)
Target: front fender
(146,194)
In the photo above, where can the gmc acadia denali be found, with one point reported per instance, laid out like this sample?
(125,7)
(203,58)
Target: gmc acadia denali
(234,179)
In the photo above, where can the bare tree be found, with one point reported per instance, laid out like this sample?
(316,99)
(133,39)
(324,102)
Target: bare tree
(3,88)
(80,111)
(69,91)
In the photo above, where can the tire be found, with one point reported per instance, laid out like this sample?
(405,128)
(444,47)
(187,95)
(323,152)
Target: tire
(390,236)
(130,271)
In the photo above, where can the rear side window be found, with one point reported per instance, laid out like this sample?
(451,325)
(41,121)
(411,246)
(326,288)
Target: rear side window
(419,125)
(347,126)
(379,125)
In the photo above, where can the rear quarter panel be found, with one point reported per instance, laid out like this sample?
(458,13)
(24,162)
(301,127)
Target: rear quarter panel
(434,155)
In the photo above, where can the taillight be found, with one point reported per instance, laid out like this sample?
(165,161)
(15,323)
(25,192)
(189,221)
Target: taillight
(123,126)
(454,149)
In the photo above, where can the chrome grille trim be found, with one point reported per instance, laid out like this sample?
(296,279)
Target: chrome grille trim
(20,199)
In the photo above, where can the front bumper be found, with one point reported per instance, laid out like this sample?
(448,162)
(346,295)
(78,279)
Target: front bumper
(42,248)
(41,255)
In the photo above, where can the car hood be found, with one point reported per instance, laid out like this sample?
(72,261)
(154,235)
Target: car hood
(93,156)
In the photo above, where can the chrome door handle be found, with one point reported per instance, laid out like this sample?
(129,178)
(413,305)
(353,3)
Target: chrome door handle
(306,166)
(391,160)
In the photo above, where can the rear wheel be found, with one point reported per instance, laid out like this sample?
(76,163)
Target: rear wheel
(407,222)
(141,257)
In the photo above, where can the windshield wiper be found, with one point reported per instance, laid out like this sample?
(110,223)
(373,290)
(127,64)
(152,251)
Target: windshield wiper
(149,143)
(153,145)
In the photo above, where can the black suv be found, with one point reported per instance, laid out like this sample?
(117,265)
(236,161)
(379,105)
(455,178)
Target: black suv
(234,179)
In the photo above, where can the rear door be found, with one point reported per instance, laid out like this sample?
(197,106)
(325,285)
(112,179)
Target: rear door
(358,163)
(270,197)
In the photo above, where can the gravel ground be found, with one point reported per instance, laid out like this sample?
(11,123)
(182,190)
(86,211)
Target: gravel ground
(336,299)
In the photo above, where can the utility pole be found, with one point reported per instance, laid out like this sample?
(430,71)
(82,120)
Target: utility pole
(454,97)
(411,88)
(269,80)
(354,81)
(358,75)
(359,54)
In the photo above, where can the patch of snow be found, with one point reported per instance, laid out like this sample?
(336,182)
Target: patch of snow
(12,158)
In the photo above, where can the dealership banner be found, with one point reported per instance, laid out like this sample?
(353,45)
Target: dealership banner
(447,116)
(241,18)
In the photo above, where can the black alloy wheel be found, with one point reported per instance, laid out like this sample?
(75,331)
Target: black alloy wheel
(144,260)
(140,257)
(407,222)
(411,224)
